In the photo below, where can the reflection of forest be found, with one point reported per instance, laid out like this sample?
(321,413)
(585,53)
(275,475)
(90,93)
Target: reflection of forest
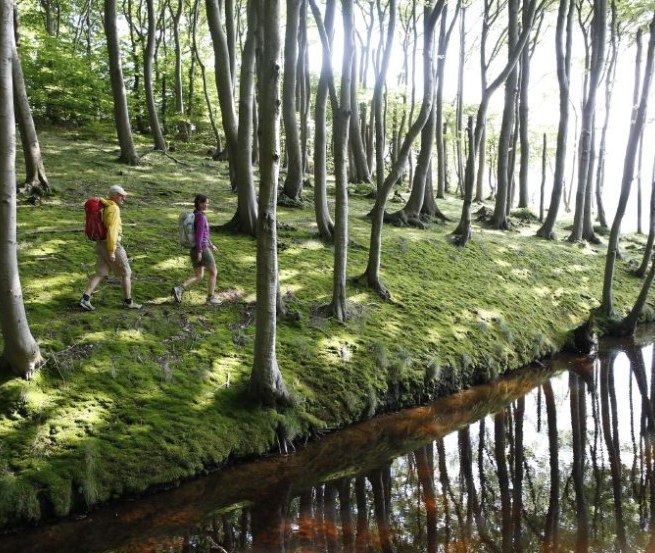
(528,464)
(568,467)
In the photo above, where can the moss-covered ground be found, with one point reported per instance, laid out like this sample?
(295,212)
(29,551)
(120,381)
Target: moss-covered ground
(131,400)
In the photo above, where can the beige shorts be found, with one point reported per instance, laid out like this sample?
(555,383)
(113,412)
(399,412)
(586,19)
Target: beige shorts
(120,266)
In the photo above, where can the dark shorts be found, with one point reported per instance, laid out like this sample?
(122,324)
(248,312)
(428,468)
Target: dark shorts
(206,261)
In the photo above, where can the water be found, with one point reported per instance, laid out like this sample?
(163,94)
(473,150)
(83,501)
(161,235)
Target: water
(558,458)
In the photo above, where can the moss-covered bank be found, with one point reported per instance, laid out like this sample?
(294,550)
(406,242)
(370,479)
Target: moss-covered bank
(131,400)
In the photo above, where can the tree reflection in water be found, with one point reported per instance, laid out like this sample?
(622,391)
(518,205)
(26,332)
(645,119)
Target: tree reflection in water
(529,464)
(507,484)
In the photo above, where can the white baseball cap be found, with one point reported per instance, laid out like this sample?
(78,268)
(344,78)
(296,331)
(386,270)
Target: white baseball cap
(116,189)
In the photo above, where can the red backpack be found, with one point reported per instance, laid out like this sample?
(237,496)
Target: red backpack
(94,228)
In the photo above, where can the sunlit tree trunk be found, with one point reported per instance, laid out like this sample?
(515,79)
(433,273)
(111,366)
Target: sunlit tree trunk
(245,217)
(21,354)
(371,275)
(499,218)
(266,383)
(148,61)
(128,153)
(378,93)
(636,129)
(293,185)
(563,47)
(36,181)
(462,234)
(323,220)
(586,132)
(224,85)
(183,126)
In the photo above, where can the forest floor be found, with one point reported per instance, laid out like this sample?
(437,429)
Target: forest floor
(129,401)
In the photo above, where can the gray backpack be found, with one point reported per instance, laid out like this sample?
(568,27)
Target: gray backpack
(186,226)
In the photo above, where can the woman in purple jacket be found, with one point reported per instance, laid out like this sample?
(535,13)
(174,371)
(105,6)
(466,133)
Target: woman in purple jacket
(201,255)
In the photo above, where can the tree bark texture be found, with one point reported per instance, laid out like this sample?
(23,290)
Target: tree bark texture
(128,153)
(21,354)
(293,185)
(266,383)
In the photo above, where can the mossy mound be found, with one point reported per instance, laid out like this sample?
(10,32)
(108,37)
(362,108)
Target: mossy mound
(132,400)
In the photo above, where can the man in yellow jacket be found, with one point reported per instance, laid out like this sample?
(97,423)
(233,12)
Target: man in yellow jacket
(110,254)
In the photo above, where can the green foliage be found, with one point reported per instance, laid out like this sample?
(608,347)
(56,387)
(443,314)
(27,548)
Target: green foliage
(130,400)
(64,87)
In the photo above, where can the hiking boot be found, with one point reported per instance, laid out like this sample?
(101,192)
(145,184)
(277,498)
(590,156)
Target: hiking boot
(86,305)
(177,292)
(132,305)
(213,300)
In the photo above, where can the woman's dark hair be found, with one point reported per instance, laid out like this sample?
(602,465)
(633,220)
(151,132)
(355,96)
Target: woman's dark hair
(199,199)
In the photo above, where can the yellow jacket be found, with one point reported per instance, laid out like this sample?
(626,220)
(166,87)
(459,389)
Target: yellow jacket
(111,217)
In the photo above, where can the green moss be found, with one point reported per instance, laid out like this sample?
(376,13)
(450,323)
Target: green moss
(130,400)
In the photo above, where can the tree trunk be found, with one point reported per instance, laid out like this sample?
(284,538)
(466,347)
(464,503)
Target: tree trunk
(148,61)
(128,153)
(636,129)
(321,211)
(36,181)
(372,274)
(462,234)
(361,173)
(378,92)
(524,115)
(245,218)
(21,354)
(563,41)
(293,185)
(183,126)
(588,111)
(224,85)
(341,121)
(266,384)
(499,218)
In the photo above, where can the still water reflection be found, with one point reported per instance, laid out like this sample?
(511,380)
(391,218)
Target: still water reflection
(560,458)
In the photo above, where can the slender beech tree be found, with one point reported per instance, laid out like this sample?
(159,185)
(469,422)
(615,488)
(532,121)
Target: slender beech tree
(378,93)
(322,213)
(293,183)
(444,39)
(462,234)
(128,153)
(21,354)
(582,224)
(245,217)
(36,181)
(648,250)
(636,128)
(340,114)
(224,85)
(360,171)
(504,167)
(610,79)
(371,275)
(183,127)
(148,61)
(563,49)
(266,384)
(551,530)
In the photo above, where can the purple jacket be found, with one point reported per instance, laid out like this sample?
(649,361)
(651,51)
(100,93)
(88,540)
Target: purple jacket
(202,231)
